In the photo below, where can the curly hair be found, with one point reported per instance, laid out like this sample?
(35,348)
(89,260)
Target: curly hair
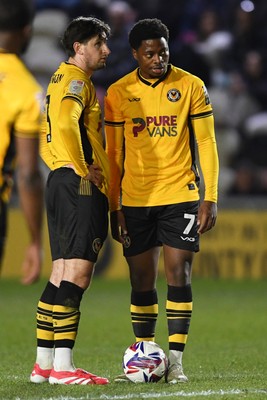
(149,28)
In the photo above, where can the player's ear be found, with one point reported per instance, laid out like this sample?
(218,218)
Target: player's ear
(77,46)
(134,53)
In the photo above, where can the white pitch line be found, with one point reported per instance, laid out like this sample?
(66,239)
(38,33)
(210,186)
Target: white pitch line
(203,393)
(182,393)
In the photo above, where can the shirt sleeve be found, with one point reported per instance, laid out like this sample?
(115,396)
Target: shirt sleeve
(28,121)
(201,116)
(69,115)
(208,155)
(114,134)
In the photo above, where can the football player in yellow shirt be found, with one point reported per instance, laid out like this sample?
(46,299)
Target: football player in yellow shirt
(20,102)
(155,119)
(76,199)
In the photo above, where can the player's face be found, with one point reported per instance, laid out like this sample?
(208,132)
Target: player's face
(152,57)
(95,53)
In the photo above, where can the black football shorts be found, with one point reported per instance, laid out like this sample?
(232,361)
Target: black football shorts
(77,215)
(174,225)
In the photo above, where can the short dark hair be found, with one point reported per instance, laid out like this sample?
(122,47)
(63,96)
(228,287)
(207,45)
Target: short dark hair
(147,29)
(15,14)
(82,29)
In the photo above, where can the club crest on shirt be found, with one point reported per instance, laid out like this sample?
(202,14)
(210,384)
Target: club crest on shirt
(173,95)
(76,87)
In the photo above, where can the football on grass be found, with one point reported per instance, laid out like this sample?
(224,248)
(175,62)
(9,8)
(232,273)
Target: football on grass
(144,362)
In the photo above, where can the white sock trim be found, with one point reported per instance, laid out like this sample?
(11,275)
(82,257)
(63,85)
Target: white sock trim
(175,357)
(63,359)
(45,357)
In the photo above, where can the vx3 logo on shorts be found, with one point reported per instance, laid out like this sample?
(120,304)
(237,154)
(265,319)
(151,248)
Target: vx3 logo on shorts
(187,239)
(134,99)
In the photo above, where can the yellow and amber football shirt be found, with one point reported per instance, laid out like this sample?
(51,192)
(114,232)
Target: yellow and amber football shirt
(20,100)
(152,131)
(72,131)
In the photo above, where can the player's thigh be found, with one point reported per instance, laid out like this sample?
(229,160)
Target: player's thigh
(143,269)
(77,216)
(177,265)
(142,230)
(61,197)
(92,224)
(177,226)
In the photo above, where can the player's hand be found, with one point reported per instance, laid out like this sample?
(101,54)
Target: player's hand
(207,215)
(95,175)
(118,226)
(32,264)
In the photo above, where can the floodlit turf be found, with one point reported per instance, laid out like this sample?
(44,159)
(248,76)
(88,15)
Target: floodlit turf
(225,358)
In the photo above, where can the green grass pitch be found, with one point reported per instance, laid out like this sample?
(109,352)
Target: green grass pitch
(225,357)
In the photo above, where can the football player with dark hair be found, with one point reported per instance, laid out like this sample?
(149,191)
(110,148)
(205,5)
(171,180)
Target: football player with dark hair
(156,117)
(76,199)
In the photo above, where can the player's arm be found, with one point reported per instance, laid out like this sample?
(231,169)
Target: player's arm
(114,132)
(30,187)
(114,135)
(208,155)
(209,163)
(115,151)
(68,122)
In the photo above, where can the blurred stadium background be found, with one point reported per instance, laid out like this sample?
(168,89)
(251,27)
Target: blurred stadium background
(224,42)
